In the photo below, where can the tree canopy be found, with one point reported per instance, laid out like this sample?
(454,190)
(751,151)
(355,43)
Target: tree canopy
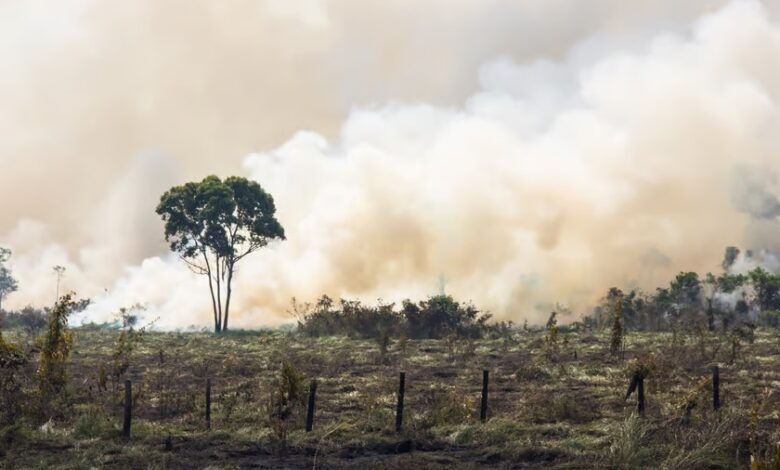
(8,284)
(213,224)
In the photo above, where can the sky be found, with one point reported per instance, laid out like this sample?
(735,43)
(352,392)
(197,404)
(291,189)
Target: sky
(521,153)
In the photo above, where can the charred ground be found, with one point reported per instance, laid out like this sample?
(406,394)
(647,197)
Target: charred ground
(551,406)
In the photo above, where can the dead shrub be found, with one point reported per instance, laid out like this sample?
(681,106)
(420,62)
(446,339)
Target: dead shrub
(288,398)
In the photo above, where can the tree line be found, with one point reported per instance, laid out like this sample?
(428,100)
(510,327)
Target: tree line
(690,301)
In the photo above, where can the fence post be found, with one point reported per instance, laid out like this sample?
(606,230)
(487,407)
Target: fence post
(640,395)
(399,410)
(208,403)
(484,405)
(310,411)
(128,408)
(715,387)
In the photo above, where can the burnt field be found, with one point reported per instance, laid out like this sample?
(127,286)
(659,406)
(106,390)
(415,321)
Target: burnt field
(549,406)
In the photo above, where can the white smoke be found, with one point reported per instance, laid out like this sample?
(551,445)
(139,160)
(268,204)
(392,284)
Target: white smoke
(605,163)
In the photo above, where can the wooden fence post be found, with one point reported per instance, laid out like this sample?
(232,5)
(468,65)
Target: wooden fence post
(399,410)
(638,384)
(208,403)
(484,405)
(128,408)
(310,411)
(640,395)
(715,387)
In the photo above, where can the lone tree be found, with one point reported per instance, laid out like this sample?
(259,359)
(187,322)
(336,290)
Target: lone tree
(213,225)
(8,284)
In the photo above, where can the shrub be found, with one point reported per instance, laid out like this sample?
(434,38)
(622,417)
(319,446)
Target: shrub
(616,341)
(33,321)
(551,339)
(441,315)
(29,319)
(55,350)
(288,398)
(437,317)
(383,341)
(12,360)
(128,340)
(350,318)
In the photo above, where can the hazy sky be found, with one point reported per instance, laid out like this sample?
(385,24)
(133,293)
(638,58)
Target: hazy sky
(528,151)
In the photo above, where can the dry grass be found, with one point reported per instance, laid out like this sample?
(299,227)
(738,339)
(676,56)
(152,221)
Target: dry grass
(566,413)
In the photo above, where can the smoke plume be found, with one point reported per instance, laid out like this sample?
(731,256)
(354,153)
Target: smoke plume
(525,152)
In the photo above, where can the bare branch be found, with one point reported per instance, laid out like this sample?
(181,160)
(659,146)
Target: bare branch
(195,268)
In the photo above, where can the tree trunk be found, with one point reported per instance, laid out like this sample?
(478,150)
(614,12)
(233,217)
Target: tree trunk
(227,297)
(710,315)
(219,296)
(217,324)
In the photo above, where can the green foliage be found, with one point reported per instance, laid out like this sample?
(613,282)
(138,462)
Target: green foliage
(729,257)
(616,338)
(33,320)
(8,284)
(438,317)
(11,355)
(685,289)
(12,360)
(213,224)
(770,318)
(767,288)
(728,299)
(55,350)
(288,398)
(441,315)
(126,343)
(551,348)
(30,319)
(728,283)
(383,341)
(505,330)
(348,317)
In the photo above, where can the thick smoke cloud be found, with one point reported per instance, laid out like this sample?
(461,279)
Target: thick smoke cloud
(554,149)
(755,192)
